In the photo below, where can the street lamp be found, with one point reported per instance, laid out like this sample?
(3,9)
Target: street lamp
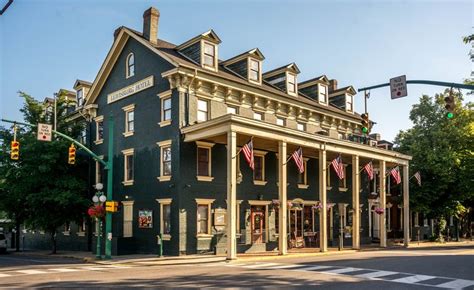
(99,198)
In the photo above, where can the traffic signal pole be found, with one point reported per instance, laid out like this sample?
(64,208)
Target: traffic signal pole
(424,82)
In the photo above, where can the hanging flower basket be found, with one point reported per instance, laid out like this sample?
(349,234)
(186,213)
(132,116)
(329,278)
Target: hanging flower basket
(290,204)
(317,206)
(379,211)
(96,211)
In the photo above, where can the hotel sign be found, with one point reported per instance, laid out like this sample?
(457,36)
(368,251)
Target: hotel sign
(130,90)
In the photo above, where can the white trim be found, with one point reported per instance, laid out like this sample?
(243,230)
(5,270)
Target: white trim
(163,145)
(127,65)
(128,218)
(162,202)
(206,202)
(126,153)
(127,109)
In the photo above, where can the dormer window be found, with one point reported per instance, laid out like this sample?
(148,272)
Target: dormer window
(349,103)
(130,65)
(323,94)
(209,55)
(291,83)
(254,70)
(80,97)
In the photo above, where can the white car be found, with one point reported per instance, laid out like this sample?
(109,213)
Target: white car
(3,243)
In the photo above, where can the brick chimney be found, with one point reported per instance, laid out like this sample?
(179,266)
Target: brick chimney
(150,24)
(332,85)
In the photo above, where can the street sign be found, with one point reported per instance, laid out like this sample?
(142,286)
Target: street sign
(398,87)
(44,132)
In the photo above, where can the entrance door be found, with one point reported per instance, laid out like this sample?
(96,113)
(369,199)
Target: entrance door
(375,223)
(296,224)
(258,225)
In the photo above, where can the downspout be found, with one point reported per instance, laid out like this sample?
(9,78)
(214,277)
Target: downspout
(186,106)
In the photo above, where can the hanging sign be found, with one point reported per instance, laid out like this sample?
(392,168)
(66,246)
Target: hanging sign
(45,132)
(398,87)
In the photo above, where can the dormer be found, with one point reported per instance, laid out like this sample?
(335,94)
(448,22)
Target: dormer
(342,98)
(202,49)
(316,88)
(82,89)
(284,78)
(247,65)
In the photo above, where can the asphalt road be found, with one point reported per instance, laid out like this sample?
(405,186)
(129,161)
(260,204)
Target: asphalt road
(437,268)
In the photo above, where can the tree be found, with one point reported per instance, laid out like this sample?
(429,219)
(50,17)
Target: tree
(41,189)
(442,151)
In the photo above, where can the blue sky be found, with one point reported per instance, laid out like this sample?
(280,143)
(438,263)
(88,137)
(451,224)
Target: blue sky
(47,45)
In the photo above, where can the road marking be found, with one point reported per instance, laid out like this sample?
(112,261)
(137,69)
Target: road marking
(265,265)
(31,271)
(94,268)
(456,284)
(413,279)
(64,270)
(4,275)
(341,271)
(312,268)
(285,266)
(376,274)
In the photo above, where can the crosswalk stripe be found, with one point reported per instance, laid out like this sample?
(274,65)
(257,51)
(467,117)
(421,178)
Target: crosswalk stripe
(341,271)
(312,268)
(64,270)
(456,284)
(93,268)
(376,274)
(4,275)
(265,265)
(413,279)
(284,266)
(31,271)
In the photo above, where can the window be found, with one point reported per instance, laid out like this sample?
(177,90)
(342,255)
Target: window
(204,161)
(329,169)
(128,163)
(301,126)
(343,182)
(203,217)
(99,130)
(80,97)
(98,171)
(303,177)
(203,113)
(209,55)
(232,110)
(166,109)
(82,227)
(349,103)
(280,121)
(259,165)
(254,70)
(130,65)
(127,219)
(67,229)
(165,218)
(83,137)
(129,120)
(258,116)
(291,83)
(322,94)
(165,160)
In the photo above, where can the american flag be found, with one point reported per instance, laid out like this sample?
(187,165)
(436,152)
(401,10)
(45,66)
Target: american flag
(298,157)
(338,167)
(370,170)
(248,153)
(396,175)
(418,177)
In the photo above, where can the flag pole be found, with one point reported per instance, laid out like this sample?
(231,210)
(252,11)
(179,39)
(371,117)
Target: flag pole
(238,152)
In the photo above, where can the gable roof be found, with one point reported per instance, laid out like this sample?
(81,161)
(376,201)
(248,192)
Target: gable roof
(292,67)
(347,90)
(255,53)
(81,83)
(209,35)
(313,81)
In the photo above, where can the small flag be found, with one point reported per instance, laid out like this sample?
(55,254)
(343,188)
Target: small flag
(248,153)
(370,170)
(396,175)
(338,167)
(298,157)
(418,178)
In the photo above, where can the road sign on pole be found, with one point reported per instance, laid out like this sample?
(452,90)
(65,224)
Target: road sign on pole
(398,87)
(45,132)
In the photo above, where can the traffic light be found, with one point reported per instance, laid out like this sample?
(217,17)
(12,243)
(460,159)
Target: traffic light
(15,150)
(449,100)
(72,154)
(365,123)
(111,206)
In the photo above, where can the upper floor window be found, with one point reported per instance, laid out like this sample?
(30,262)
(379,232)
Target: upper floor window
(232,110)
(301,126)
(303,177)
(259,168)
(129,120)
(130,65)
(254,70)
(83,136)
(204,161)
(209,56)
(203,112)
(322,94)
(258,116)
(99,129)
(80,97)
(349,105)
(128,166)
(165,160)
(291,83)
(280,121)
(165,98)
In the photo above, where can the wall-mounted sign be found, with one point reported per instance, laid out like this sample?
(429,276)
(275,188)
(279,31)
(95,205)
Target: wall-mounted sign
(145,219)
(130,90)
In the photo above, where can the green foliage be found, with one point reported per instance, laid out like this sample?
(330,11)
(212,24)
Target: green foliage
(41,189)
(442,151)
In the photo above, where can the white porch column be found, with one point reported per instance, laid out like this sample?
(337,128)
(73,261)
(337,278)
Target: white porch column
(382,204)
(323,223)
(231,195)
(406,207)
(282,185)
(355,203)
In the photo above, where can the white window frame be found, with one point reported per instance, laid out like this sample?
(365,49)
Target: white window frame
(263,182)
(349,102)
(235,110)
(130,73)
(259,72)
(301,126)
(67,229)
(343,188)
(208,146)
(126,153)
(260,116)
(81,228)
(128,109)
(98,120)
(203,54)
(295,92)
(305,184)
(80,100)
(164,202)
(328,175)
(198,110)
(163,98)
(321,94)
(164,145)
(98,172)
(206,202)
(283,121)
(128,218)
